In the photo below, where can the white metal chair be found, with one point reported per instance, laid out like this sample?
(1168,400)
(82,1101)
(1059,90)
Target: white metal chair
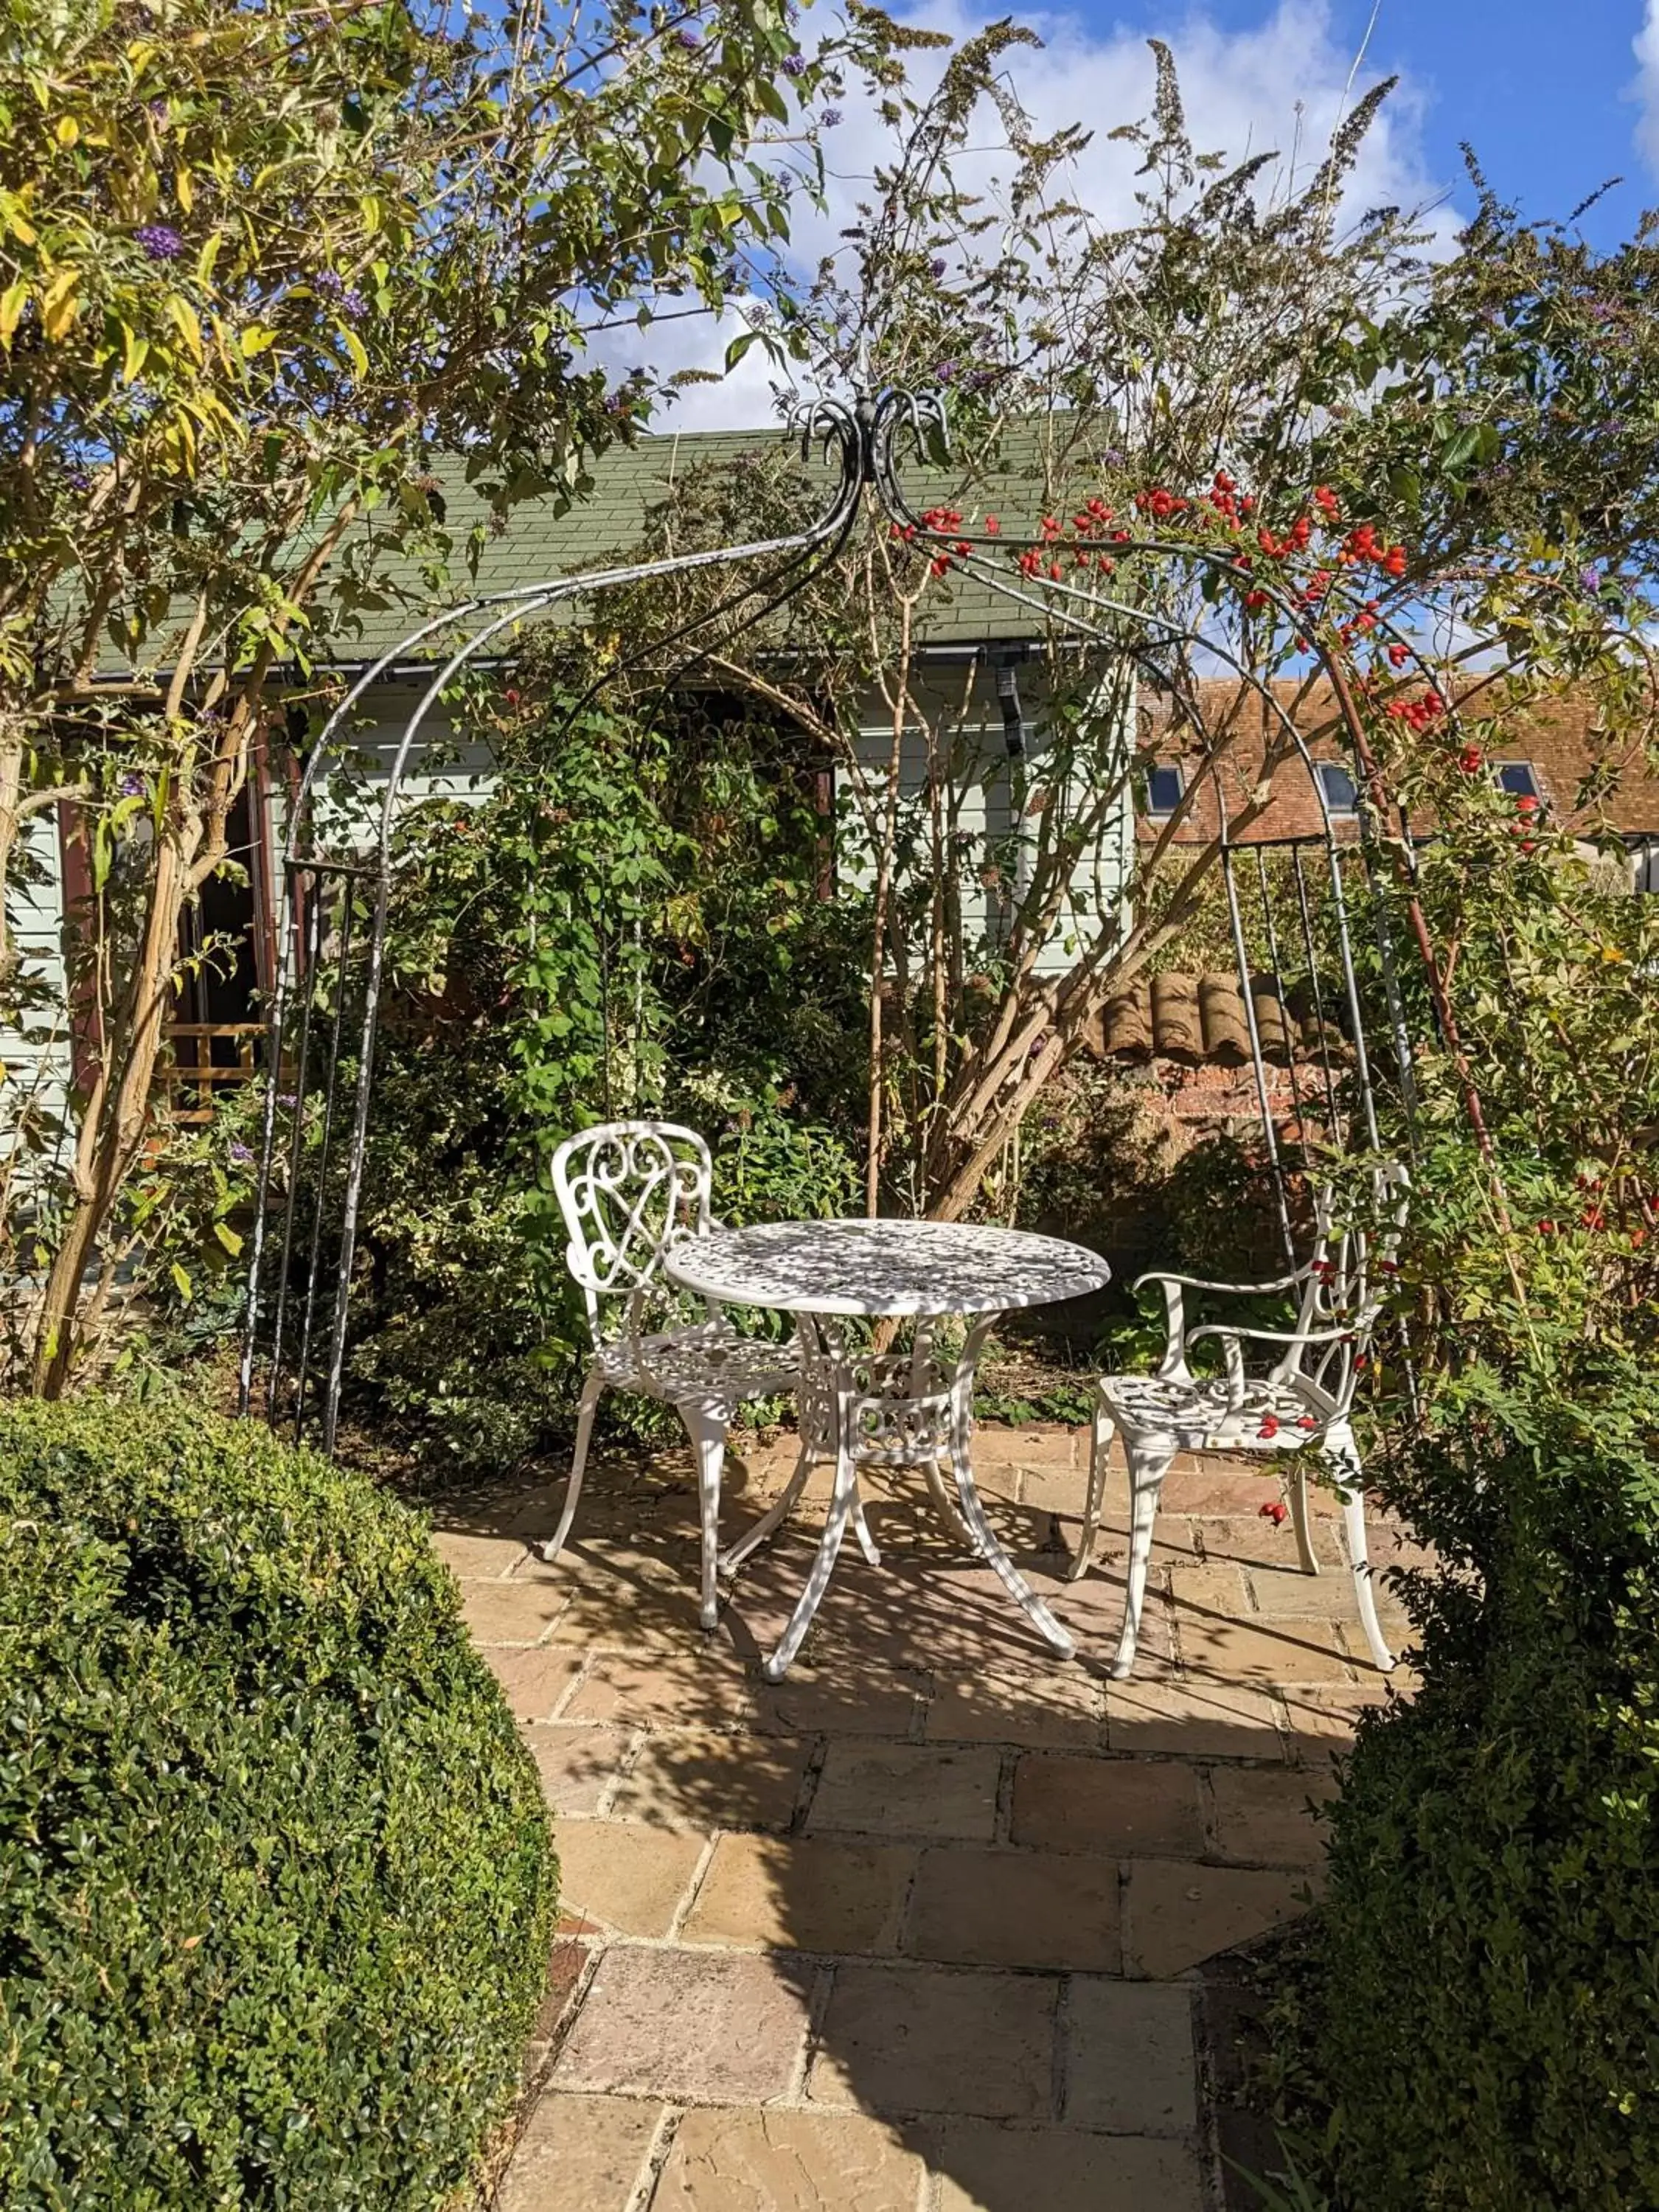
(629,1191)
(1301,1406)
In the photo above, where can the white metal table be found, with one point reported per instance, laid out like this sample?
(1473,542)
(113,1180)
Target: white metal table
(912,1408)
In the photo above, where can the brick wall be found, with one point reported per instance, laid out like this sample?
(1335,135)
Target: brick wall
(1570,758)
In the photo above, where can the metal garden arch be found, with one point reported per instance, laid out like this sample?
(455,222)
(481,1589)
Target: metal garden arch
(296,1328)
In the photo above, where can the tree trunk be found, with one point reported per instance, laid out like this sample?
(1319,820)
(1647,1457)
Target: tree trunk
(118,1116)
(11,782)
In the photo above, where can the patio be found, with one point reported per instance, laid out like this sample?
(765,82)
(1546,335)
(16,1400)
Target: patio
(915,1930)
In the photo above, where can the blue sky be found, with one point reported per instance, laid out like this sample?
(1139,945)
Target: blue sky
(1553,95)
(1543,89)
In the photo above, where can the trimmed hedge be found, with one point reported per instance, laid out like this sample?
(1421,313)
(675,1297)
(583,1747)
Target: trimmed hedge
(277,1882)
(1479,2022)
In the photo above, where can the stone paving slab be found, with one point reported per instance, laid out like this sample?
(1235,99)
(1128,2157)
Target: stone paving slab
(908,1789)
(1194,1719)
(704,1780)
(802,1894)
(1129,2058)
(985,2169)
(537,1681)
(1056,1706)
(508,1612)
(1010,1908)
(917,1929)
(706,2027)
(772,2161)
(626,1875)
(587,2152)
(1176,1914)
(1065,1803)
(914,2039)
(1255,1818)
(579,1767)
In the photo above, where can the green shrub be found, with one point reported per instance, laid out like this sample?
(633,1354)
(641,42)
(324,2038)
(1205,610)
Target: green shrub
(1480,2022)
(275,1879)
(624,926)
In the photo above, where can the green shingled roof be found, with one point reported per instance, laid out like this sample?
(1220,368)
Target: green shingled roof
(605,525)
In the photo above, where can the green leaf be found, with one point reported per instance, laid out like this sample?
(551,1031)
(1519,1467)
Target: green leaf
(13,301)
(189,327)
(1406,486)
(182,1283)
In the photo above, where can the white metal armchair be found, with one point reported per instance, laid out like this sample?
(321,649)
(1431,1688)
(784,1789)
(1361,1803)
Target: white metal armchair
(629,1191)
(1302,1405)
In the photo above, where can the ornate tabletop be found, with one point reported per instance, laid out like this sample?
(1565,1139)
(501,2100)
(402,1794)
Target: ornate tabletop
(884,1266)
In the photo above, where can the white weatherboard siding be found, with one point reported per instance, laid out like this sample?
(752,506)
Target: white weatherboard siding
(963,706)
(37,1055)
(349,814)
(969,726)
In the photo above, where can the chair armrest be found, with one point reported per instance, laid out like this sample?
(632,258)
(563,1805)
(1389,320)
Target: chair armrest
(1173,1367)
(1232,1349)
(1349,1333)
(1234,1290)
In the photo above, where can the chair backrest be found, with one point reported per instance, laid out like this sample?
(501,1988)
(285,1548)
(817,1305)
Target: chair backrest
(1344,1286)
(629,1190)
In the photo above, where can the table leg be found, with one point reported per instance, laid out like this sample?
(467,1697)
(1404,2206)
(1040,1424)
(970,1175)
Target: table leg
(816,1402)
(973,1512)
(861,1527)
(842,1501)
(774,1516)
(949,1512)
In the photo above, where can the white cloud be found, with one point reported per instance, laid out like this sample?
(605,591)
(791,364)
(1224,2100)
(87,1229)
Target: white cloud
(1646,88)
(1284,84)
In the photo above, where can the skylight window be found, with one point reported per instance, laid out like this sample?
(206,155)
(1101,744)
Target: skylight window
(1519,779)
(1338,786)
(1163,788)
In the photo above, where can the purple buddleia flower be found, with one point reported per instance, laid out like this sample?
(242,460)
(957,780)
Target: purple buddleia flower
(1590,578)
(241,1155)
(793,65)
(133,786)
(160,241)
(690,39)
(160,109)
(944,372)
(829,119)
(327,285)
(938,265)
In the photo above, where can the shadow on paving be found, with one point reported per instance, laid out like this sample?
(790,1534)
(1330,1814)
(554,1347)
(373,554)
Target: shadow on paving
(919,1928)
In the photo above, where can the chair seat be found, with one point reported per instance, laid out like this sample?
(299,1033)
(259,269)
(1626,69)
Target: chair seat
(709,1360)
(1197,1415)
